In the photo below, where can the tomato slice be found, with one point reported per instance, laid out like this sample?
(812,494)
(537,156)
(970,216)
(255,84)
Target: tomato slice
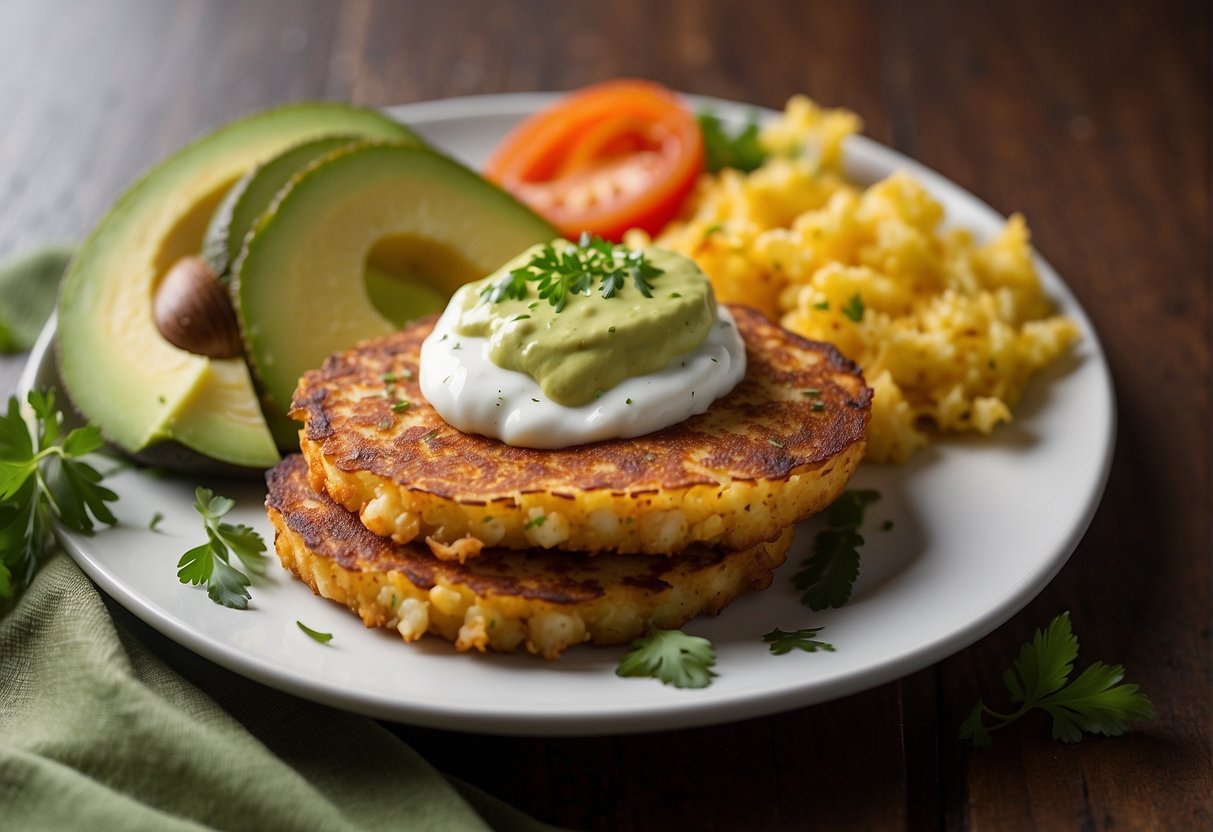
(613,156)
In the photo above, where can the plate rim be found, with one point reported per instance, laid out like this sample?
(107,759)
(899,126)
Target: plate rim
(658,715)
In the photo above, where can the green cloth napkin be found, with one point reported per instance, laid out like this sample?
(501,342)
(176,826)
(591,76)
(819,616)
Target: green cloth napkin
(104,724)
(28,288)
(98,732)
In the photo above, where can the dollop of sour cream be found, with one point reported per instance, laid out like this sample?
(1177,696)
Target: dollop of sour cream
(474,395)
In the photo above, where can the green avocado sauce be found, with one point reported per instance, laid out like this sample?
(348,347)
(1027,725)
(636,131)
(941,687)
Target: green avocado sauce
(593,342)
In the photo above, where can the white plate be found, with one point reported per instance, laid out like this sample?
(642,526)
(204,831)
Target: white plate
(980,526)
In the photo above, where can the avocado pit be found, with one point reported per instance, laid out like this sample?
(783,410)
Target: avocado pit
(194,312)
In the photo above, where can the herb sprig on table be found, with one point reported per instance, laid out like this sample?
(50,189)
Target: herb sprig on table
(1094,702)
(577,268)
(210,563)
(43,477)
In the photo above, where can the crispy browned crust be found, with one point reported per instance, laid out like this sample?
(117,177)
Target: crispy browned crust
(798,419)
(610,600)
(733,439)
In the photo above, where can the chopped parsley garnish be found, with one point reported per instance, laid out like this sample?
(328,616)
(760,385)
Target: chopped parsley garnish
(818,407)
(671,656)
(565,269)
(627,401)
(210,563)
(812,392)
(43,477)
(430,435)
(316,635)
(611,328)
(598,394)
(822,306)
(389,378)
(714,228)
(854,308)
(400,406)
(537,520)
(741,151)
(804,639)
(828,575)
(1095,702)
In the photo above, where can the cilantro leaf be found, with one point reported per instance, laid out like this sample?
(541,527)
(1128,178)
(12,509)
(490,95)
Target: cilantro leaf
(1095,702)
(672,656)
(827,577)
(316,635)
(210,563)
(741,151)
(44,478)
(803,639)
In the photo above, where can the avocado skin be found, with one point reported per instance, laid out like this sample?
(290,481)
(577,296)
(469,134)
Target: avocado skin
(300,299)
(143,394)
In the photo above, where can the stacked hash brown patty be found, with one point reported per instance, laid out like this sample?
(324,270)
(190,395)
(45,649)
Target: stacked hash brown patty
(657,529)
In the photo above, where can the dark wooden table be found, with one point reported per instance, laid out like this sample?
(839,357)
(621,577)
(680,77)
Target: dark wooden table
(1093,120)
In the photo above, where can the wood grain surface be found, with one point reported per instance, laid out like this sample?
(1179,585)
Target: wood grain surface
(1092,119)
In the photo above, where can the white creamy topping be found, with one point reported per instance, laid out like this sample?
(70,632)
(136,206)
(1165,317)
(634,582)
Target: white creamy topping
(474,395)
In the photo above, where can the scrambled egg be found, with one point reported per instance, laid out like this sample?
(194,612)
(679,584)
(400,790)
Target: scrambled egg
(947,331)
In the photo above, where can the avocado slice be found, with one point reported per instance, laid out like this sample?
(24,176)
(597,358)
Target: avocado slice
(252,194)
(364,240)
(148,397)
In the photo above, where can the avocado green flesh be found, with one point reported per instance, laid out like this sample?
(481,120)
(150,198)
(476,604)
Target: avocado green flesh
(401,213)
(249,198)
(593,343)
(120,373)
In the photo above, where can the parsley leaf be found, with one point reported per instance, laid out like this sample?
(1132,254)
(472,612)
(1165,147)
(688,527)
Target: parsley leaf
(1095,702)
(741,151)
(564,269)
(782,642)
(316,635)
(828,575)
(44,478)
(210,563)
(671,656)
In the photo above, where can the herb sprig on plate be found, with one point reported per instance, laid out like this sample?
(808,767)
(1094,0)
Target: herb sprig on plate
(563,269)
(43,477)
(672,656)
(210,563)
(741,150)
(828,576)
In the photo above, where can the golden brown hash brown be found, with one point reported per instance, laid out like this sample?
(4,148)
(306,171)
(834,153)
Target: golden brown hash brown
(777,449)
(504,600)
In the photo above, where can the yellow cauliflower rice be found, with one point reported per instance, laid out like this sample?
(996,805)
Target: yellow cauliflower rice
(947,331)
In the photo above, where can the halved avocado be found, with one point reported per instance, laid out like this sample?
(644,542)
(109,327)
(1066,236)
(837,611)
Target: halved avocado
(362,241)
(121,374)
